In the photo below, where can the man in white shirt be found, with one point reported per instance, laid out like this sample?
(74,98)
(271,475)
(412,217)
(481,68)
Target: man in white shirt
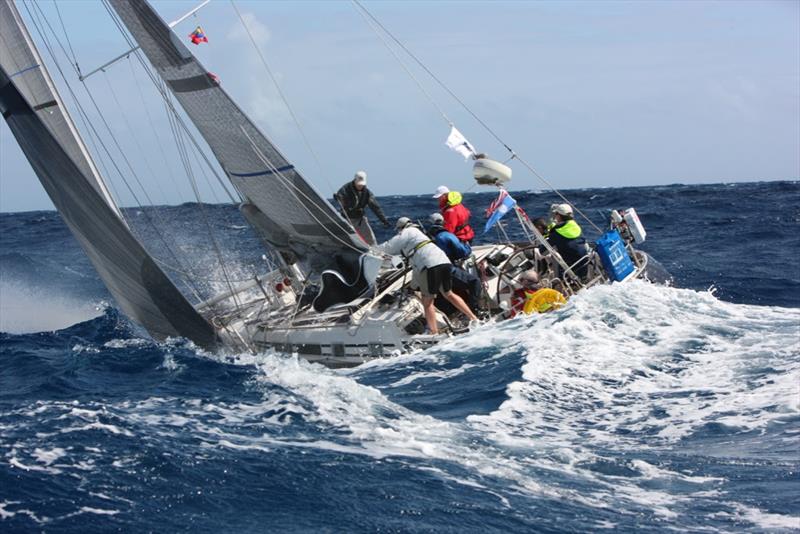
(430,265)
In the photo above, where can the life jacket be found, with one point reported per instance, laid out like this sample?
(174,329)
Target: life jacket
(456,216)
(542,300)
(569,230)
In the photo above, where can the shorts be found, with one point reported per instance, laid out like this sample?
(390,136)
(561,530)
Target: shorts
(436,279)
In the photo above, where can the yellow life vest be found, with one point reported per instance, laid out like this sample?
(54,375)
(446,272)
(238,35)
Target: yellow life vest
(543,300)
(453,198)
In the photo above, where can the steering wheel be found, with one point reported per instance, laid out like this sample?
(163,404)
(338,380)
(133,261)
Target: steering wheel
(511,268)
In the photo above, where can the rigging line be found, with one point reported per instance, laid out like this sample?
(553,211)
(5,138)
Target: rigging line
(81,113)
(171,267)
(278,87)
(364,14)
(55,35)
(190,175)
(134,137)
(66,36)
(214,244)
(161,88)
(173,244)
(105,148)
(289,186)
(153,127)
(431,74)
(172,112)
(108,154)
(49,48)
(97,109)
(37,25)
(181,149)
(472,113)
(289,108)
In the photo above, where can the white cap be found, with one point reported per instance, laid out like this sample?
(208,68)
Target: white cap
(401,223)
(563,209)
(441,190)
(360,178)
(436,218)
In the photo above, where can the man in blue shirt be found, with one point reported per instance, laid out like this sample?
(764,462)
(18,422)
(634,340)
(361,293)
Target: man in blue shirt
(455,249)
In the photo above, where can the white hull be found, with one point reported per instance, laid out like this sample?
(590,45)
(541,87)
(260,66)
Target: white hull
(368,328)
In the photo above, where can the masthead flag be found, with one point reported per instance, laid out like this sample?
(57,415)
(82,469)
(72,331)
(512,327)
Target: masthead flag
(198,36)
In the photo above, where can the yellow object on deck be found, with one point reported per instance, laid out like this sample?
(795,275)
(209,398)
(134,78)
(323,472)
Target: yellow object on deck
(543,300)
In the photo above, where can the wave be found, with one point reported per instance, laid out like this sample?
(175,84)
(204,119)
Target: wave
(608,410)
(27,309)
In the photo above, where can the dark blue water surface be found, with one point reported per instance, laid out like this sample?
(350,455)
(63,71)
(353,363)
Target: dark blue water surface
(635,407)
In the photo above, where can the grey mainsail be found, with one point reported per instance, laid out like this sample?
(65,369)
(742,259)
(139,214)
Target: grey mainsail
(292,215)
(42,128)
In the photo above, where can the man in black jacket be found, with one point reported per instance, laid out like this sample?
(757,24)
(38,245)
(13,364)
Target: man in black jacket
(567,238)
(353,198)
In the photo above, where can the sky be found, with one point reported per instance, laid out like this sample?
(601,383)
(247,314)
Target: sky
(591,94)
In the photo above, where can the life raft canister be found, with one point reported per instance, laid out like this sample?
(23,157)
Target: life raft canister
(543,300)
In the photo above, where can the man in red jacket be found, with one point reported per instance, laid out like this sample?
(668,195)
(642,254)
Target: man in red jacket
(456,214)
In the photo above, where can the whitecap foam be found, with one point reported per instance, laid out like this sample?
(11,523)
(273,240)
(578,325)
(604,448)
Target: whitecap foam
(48,456)
(629,360)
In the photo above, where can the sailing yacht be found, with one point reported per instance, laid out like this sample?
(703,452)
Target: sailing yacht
(327,298)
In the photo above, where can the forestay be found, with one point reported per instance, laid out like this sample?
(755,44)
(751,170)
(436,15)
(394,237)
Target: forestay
(291,215)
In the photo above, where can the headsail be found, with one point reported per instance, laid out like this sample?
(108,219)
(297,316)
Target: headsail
(296,217)
(139,286)
(24,65)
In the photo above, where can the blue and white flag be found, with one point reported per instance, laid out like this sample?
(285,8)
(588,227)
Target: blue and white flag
(498,208)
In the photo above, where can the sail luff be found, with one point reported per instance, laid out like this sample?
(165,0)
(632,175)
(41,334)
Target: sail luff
(298,218)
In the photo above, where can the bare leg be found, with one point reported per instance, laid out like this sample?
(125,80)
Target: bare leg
(459,303)
(430,313)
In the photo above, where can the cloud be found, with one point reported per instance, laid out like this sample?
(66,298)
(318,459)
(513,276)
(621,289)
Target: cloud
(258,30)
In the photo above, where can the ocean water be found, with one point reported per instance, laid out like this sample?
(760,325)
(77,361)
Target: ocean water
(635,407)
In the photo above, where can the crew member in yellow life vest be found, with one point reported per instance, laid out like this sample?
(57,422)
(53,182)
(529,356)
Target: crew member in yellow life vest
(532,297)
(567,238)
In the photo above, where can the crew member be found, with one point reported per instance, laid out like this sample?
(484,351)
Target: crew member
(456,214)
(566,237)
(455,249)
(432,269)
(353,198)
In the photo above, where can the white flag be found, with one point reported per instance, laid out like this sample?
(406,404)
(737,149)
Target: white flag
(456,141)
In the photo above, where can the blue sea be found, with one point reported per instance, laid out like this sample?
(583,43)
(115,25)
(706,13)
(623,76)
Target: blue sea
(637,407)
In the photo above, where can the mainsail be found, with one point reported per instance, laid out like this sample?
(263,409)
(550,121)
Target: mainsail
(41,125)
(286,210)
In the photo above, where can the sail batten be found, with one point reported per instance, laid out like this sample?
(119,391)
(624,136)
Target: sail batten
(299,216)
